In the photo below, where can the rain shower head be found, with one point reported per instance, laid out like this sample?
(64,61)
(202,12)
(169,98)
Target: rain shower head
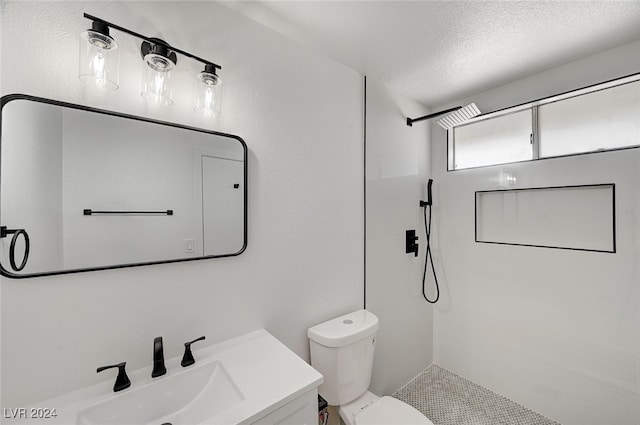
(456,116)
(459,116)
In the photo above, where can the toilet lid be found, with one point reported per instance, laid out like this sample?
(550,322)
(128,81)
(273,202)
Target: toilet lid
(389,410)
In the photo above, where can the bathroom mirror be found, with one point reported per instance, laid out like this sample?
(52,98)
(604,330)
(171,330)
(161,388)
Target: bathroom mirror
(84,189)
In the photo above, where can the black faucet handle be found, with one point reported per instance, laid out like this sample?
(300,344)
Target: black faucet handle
(122,380)
(187,359)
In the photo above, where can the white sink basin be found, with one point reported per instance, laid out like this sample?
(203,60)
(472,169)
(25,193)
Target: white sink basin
(189,396)
(240,381)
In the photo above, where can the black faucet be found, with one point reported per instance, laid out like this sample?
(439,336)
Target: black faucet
(158,358)
(122,380)
(187,358)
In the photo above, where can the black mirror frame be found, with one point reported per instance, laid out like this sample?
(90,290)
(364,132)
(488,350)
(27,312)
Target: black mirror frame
(11,97)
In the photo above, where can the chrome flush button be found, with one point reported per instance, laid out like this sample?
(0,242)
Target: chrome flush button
(347,322)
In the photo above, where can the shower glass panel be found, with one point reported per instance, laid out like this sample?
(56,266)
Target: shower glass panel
(499,140)
(602,120)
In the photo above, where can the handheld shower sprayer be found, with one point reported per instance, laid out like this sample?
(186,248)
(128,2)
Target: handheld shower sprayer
(429,200)
(428,256)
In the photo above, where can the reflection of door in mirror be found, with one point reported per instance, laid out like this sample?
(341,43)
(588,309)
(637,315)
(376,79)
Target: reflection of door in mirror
(221,195)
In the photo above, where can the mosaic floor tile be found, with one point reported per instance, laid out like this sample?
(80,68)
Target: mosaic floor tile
(448,399)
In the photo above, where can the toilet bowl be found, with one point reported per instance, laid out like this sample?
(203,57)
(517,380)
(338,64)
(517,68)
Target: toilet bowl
(369,409)
(342,350)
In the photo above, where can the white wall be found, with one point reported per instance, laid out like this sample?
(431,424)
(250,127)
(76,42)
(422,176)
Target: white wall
(397,168)
(301,116)
(555,330)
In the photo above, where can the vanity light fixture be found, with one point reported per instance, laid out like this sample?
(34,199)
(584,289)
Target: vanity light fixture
(159,61)
(99,57)
(99,63)
(208,91)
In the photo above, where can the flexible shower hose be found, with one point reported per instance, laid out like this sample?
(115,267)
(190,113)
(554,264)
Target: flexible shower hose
(429,257)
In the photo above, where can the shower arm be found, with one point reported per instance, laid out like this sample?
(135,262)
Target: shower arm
(410,121)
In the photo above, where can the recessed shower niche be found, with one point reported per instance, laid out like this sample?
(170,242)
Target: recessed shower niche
(581,217)
(84,189)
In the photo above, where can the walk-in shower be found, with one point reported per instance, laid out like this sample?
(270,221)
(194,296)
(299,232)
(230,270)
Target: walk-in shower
(452,117)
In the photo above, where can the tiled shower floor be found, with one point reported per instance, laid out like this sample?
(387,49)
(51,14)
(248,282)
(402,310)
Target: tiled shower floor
(448,399)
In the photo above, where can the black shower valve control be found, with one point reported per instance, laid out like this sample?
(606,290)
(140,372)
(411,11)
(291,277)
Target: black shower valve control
(411,245)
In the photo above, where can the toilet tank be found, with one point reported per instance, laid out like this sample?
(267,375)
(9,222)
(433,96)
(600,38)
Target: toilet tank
(342,351)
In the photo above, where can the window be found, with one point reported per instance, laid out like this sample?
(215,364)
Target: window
(503,139)
(598,118)
(602,120)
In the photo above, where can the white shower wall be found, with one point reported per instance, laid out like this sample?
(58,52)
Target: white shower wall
(397,168)
(555,330)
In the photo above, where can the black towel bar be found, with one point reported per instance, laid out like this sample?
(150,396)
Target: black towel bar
(92,212)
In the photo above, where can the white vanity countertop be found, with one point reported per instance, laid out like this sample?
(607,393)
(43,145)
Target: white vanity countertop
(267,373)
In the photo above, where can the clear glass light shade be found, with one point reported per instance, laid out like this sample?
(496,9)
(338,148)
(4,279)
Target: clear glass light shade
(99,55)
(157,76)
(208,92)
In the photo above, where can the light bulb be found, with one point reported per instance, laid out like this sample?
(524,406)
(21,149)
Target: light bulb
(99,56)
(158,63)
(208,91)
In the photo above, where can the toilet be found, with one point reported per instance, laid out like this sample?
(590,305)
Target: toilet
(342,351)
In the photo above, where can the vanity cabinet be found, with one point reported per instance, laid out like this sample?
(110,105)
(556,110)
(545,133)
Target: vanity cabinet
(301,411)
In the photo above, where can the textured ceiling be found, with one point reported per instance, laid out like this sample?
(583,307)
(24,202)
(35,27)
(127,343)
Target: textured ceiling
(437,51)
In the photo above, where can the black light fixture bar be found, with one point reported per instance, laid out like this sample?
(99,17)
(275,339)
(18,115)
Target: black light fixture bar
(410,121)
(151,40)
